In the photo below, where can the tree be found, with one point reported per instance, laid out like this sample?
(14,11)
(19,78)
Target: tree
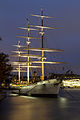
(5,68)
(0,38)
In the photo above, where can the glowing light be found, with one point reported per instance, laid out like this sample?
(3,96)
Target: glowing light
(44,49)
(24,62)
(42,27)
(19,46)
(27,55)
(71,83)
(28,28)
(17,63)
(42,16)
(18,71)
(47,62)
(27,37)
(19,51)
(29,97)
(31,66)
(42,33)
(28,42)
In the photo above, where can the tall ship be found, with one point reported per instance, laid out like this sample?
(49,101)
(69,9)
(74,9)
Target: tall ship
(27,60)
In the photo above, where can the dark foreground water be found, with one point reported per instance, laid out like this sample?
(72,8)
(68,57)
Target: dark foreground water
(65,107)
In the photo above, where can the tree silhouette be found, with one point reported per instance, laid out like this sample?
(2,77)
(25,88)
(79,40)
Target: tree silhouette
(5,67)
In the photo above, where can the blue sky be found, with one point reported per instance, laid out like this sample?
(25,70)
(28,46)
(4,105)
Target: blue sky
(67,33)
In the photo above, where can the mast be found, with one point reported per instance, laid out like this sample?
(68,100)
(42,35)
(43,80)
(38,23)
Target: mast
(19,61)
(28,42)
(26,54)
(28,46)
(42,34)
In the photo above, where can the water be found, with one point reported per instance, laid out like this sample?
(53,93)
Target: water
(65,107)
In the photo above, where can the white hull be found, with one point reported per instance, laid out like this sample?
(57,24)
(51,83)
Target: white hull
(43,88)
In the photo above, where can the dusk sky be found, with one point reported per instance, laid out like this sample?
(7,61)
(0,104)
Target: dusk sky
(67,33)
